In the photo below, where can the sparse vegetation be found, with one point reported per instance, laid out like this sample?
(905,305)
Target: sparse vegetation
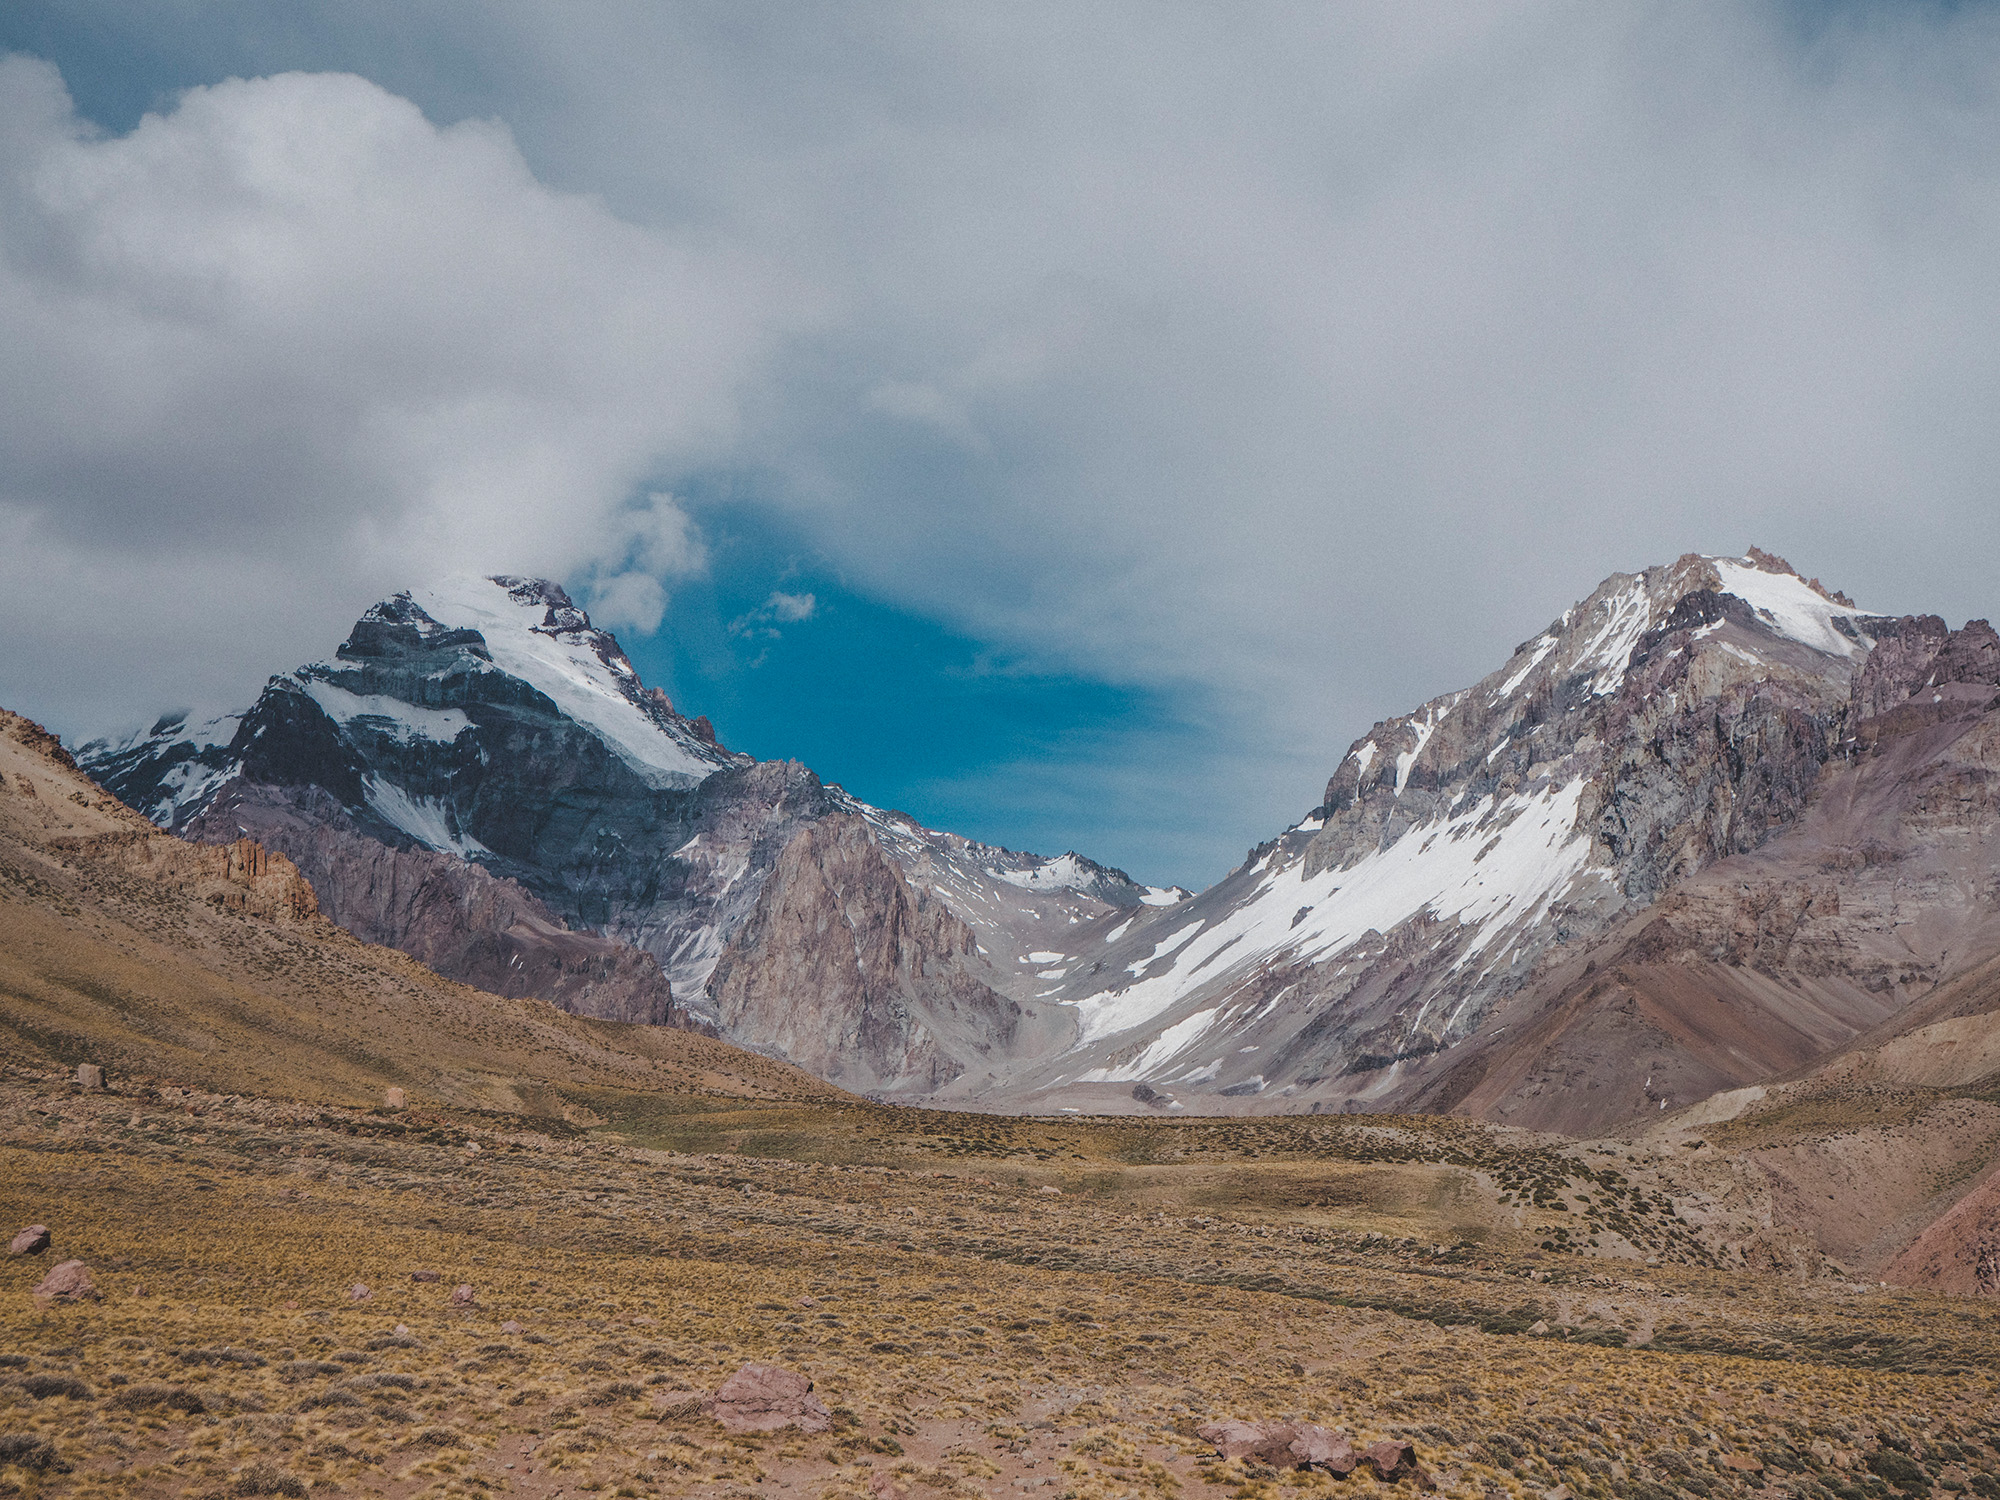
(971,1334)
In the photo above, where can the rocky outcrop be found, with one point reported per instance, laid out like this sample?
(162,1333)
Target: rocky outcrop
(30,1241)
(1879,892)
(766,1398)
(456,917)
(68,1282)
(851,973)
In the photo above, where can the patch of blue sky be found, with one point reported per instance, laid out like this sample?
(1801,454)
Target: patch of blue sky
(901,709)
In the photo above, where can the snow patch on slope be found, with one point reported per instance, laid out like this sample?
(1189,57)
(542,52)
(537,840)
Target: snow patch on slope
(424,819)
(1492,867)
(570,675)
(1791,606)
(406,721)
(1157,1053)
(1628,614)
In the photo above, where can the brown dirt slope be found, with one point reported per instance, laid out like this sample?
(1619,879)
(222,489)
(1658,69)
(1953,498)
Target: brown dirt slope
(211,966)
(1960,1253)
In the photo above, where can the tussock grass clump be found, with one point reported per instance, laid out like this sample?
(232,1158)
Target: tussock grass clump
(27,1451)
(268,1479)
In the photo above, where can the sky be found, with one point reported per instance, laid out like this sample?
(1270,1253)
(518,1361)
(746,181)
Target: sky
(1073,425)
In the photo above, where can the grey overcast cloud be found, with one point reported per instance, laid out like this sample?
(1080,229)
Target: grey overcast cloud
(1264,369)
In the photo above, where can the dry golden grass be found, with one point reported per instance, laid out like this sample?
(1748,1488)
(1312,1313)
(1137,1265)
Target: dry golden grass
(973,1334)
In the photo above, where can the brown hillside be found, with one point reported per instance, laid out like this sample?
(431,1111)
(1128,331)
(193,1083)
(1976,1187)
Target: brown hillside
(210,966)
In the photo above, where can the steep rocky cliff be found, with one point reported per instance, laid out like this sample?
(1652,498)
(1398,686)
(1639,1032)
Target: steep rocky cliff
(849,971)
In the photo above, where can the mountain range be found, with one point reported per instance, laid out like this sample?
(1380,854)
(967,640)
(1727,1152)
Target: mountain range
(1710,829)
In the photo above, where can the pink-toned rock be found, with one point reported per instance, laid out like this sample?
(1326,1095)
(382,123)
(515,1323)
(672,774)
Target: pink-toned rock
(394,1098)
(1314,1447)
(1393,1460)
(1282,1445)
(90,1077)
(359,1293)
(68,1282)
(461,1296)
(763,1398)
(1234,1439)
(31,1241)
(510,1326)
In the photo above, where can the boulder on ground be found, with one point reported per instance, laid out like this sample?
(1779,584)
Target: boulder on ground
(68,1282)
(90,1077)
(763,1398)
(394,1098)
(1393,1460)
(31,1241)
(358,1293)
(1282,1445)
(461,1296)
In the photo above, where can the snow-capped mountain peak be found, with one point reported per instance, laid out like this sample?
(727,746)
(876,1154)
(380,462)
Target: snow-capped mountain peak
(1456,844)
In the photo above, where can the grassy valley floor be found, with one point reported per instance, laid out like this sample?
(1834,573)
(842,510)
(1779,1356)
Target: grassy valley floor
(988,1307)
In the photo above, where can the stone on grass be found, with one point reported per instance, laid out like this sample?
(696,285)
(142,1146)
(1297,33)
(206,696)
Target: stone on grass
(358,1293)
(31,1241)
(394,1098)
(763,1398)
(90,1077)
(68,1282)
(1393,1460)
(461,1296)
(1282,1445)
(510,1326)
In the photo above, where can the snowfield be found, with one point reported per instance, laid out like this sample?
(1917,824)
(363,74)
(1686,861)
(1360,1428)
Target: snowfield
(568,673)
(1495,866)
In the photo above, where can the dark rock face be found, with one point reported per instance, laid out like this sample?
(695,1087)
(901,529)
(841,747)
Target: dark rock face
(453,915)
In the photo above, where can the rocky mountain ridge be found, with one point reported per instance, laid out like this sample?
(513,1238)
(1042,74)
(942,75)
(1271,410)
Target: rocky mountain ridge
(1473,866)
(1707,829)
(478,776)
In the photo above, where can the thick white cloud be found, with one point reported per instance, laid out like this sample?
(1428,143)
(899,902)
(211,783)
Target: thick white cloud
(1303,357)
(1312,355)
(290,345)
